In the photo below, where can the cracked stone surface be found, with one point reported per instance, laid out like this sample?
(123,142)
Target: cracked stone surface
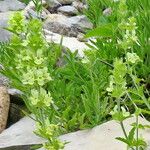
(100,137)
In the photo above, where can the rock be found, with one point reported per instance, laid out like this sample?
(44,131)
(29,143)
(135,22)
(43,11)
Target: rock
(4,81)
(69,42)
(52,3)
(29,11)
(20,134)
(67,26)
(81,37)
(64,2)
(11,5)
(15,113)
(4,34)
(107,12)
(4,107)
(59,24)
(80,22)
(100,137)
(67,10)
(79,5)
(14,92)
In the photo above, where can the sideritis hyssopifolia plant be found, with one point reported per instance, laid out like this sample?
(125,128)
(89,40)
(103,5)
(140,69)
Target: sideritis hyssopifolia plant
(124,84)
(26,64)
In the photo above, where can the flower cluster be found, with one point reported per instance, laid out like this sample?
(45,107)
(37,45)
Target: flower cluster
(117,84)
(40,98)
(30,52)
(36,76)
(132,58)
(50,131)
(120,115)
(129,33)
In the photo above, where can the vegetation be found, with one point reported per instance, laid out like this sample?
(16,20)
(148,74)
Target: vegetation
(110,82)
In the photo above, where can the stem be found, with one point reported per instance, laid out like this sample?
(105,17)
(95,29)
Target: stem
(137,132)
(123,129)
(121,122)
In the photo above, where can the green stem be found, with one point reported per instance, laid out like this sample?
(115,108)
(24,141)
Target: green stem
(137,132)
(123,129)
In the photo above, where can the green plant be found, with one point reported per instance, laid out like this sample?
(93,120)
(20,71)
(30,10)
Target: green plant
(78,87)
(119,90)
(117,35)
(25,62)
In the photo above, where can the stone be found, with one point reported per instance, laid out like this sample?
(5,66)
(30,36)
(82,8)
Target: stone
(67,10)
(14,92)
(11,5)
(69,42)
(80,22)
(100,137)
(107,12)
(29,11)
(4,81)
(59,24)
(4,107)
(20,134)
(15,113)
(65,2)
(69,26)
(79,5)
(4,34)
(81,37)
(52,3)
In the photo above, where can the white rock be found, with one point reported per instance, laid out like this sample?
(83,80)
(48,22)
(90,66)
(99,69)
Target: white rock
(69,42)
(67,10)
(11,5)
(101,137)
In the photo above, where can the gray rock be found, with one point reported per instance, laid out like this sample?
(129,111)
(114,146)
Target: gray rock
(4,81)
(80,22)
(67,26)
(100,137)
(19,134)
(4,34)
(67,10)
(11,5)
(29,11)
(53,3)
(65,1)
(14,92)
(107,12)
(59,24)
(80,6)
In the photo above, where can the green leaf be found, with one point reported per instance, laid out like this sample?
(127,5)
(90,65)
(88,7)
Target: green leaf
(123,140)
(102,31)
(131,134)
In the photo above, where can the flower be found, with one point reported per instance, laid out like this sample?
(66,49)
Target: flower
(132,58)
(110,88)
(40,98)
(120,115)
